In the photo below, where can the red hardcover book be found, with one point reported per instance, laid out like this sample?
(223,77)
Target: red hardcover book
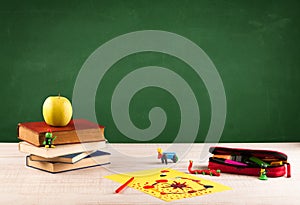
(78,130)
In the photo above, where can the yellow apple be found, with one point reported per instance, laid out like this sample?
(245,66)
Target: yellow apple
(57,111)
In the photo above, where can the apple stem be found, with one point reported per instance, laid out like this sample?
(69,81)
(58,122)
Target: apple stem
(58,95)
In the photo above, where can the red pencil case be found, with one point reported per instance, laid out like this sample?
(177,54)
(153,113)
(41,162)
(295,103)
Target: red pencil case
(240,161)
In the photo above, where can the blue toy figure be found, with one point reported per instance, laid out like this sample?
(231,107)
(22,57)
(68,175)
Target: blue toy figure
(164,156)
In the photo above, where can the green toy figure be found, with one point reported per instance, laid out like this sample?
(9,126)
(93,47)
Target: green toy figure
(263,173)
(49,139)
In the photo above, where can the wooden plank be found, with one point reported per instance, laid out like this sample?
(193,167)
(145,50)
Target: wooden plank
(20,184)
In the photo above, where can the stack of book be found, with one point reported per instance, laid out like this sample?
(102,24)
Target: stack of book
(78,145)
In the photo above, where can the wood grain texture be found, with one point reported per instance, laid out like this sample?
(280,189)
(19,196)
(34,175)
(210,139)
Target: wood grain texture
(22,185)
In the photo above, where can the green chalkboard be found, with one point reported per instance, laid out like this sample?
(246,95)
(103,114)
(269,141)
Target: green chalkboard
(254,46)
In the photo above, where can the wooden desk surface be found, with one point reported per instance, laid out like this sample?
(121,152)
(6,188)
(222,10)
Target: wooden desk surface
(23,185)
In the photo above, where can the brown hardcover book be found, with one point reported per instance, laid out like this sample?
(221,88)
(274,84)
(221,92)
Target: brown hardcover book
(86,131)
(60,150)
(98,158)
(69,158)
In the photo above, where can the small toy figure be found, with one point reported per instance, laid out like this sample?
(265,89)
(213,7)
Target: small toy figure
(164,156)
(49,139)
(210,172)
(263,172)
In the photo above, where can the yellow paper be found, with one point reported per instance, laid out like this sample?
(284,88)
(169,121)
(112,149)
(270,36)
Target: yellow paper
(168,184)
